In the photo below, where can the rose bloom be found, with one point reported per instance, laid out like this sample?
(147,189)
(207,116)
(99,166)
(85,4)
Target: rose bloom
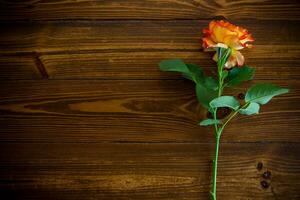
(226,35)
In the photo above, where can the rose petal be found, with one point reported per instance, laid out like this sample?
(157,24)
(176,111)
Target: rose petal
(239,58)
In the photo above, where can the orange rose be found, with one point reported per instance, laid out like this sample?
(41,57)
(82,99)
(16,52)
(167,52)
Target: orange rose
(226,35)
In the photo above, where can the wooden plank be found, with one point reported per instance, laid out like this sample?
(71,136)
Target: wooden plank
(144,65)
(129,65)
(18,67)
(139,111)
(101,52)
(148,9)
(91,36)
(147,171)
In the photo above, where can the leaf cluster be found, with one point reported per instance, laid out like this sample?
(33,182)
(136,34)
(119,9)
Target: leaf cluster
(208,88)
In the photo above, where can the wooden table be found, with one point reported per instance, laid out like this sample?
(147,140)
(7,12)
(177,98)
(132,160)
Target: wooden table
(86,113)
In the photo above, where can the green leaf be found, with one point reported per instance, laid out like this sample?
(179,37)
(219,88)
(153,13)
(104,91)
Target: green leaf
(225,101)
(174,65)
(210,83)
(189,71)
(240,74)
(196,73)
(208,122)
(205,95)
(252,108)
(187,76)
(224,74)
(262,93)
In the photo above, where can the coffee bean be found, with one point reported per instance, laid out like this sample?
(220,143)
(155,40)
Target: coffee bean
(241,96)
(259,166)
(266,175)
(264,184)
(223,112)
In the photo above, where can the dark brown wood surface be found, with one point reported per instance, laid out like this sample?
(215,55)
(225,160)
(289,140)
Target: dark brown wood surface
(148,9)
(85,112)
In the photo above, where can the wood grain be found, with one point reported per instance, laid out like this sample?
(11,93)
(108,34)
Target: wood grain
(18,67)
(148,9)
(86,114)
(101,52)
(130,65)
(136,111)
(148,171)
(89,36)
(144,65)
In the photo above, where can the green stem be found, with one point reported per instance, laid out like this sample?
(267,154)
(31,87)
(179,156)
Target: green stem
(218,131)
(220,89)
(233,115)
(216,125)
(215,167)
